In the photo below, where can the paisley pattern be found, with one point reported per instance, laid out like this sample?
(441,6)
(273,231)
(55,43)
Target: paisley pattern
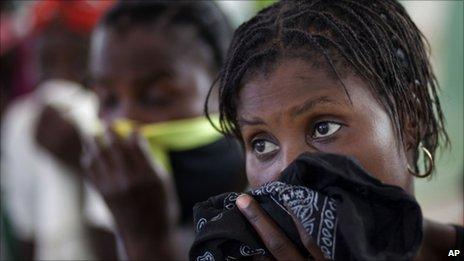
(337,203)
(229,201)
(217,217)
(200,224)
(248,251)
(207,256)
(316,212)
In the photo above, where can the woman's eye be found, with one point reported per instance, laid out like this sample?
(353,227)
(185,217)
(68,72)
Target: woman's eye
(325,129)
(263,147)
(155,99)
(110,101)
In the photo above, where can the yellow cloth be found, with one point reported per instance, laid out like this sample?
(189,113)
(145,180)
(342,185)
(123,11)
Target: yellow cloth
(176,135)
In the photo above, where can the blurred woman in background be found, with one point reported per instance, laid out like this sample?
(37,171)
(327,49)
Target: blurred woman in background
(152,63)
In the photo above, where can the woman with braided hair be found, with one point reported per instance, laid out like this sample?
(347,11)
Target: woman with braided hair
(345,77)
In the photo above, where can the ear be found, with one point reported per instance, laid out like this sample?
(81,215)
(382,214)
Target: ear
(410,134)
(410,140)
(412,131)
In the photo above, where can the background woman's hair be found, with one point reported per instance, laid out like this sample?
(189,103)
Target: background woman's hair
(376,40)
(211,23)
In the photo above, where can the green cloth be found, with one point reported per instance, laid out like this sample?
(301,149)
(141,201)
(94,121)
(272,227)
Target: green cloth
(176,135)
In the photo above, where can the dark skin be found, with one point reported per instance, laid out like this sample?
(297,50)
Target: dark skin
(137,201)
(141,76)
(297,108)
(147,78)
(59,136)
(61,139)
(62,54)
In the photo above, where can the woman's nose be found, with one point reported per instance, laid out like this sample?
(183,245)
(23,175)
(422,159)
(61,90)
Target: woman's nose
(124,110)
(293,150)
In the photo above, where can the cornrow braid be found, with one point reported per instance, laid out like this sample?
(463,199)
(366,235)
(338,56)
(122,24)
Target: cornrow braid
(376,40)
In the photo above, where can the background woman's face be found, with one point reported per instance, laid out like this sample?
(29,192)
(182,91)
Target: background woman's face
(149,75)
(297,108)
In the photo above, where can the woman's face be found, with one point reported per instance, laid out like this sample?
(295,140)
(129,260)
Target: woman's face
(148,74)
(297,108)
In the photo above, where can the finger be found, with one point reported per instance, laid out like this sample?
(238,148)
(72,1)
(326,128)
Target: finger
(134,144)
(101,162)
(92,169)
(277,243)
(89,152)
(139,157)
(89,174)
(308,242)
(118,159)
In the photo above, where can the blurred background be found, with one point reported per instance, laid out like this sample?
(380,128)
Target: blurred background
(442,24)
(441,197)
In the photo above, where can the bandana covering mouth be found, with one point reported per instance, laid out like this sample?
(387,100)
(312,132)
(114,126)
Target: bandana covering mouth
(176,135)
(348,214)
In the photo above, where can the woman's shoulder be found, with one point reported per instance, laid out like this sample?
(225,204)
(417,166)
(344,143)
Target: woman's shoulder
(459,235)
(439,239)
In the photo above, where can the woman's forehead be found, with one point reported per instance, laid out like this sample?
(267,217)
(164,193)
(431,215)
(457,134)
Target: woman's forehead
(295,87)
(291,80)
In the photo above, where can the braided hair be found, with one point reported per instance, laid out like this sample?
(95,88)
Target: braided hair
(375,40)
(211,24)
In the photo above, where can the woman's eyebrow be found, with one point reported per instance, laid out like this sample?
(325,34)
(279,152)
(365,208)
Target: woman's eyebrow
(310,104)
(100,80)
(251,121)
(147,78)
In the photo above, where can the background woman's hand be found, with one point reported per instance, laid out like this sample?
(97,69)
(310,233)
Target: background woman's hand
(59,137)
(134,192)
(273,238)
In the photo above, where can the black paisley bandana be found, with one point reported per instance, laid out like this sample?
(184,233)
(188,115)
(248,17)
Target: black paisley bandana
(348,214)
(317,213)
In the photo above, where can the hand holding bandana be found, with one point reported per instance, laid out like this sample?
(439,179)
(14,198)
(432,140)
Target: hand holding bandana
(129,165)
(347,213)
